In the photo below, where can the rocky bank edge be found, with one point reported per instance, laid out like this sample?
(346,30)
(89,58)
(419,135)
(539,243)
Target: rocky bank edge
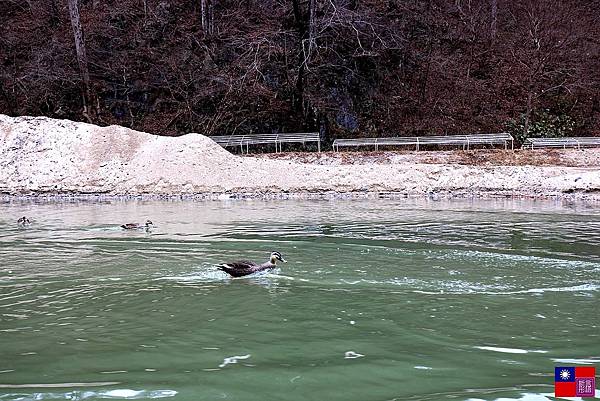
(43,156)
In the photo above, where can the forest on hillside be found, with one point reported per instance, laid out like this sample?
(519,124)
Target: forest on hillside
(345,67)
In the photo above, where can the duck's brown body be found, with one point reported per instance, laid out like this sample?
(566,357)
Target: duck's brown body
(132,226)
(246,267)
(136,226)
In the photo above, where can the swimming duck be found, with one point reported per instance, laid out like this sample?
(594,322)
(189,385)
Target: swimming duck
(136,226)
(23,221)
(244,267)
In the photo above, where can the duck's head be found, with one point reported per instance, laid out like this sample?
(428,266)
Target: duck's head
(275,256)
(23,220)
(149,223)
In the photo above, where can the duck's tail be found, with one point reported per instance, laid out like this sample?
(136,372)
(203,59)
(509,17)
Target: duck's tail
(226,269)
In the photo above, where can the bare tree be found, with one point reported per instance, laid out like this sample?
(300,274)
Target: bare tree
(544,52)
(81,53)
(207,17)
(365,66)
(494,19)
(312,19)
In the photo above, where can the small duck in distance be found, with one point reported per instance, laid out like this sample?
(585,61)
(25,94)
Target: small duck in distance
(245,267)
(23,221)
(135,226)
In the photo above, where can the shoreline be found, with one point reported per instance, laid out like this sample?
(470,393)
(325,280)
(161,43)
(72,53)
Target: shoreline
(43,158)
(279,196)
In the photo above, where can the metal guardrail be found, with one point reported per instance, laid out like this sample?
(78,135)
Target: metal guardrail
(466,141)
(244,141)
(569,142)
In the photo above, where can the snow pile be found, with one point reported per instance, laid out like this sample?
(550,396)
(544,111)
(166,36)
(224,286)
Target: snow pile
(46,156)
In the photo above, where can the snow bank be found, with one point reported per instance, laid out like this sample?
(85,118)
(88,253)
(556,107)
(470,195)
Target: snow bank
(40,155)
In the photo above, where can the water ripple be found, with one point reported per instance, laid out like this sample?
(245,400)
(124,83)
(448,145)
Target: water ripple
(121,394)
(472,294)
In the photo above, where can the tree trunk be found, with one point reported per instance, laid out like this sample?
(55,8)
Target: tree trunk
(55,13)
(80,50)
(298,16)
(312,14)
(306,23)
(211,17)
(207,17)
(528,113)
(494,19)
(204,16)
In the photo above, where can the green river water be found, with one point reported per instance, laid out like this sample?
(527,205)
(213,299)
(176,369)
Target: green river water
(380,300)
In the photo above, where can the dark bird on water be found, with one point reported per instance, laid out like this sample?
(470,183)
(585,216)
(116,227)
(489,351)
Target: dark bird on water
(23,221)
(245,267)
(136,226)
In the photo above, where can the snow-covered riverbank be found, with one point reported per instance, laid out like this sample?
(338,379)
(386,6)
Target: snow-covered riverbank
(42,156)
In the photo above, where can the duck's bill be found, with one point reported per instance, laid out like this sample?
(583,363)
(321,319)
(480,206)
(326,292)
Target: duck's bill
(283,260)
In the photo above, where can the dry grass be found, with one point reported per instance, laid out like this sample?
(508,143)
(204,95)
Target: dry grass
(479,157)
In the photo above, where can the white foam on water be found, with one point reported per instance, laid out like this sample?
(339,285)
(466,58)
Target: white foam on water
(212,274)
(275,274)
(133,394)
(511,350)
(352,355)
(265,273)
(535,397)
(525,397)
(125,393)
(58,385)
(575,288)
(208,275)
(511,362)
(577,361)
(121,394)
(545,261)
(233,359)
(422,367)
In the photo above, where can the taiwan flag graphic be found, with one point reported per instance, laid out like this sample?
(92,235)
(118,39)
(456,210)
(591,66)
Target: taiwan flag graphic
(574,381)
